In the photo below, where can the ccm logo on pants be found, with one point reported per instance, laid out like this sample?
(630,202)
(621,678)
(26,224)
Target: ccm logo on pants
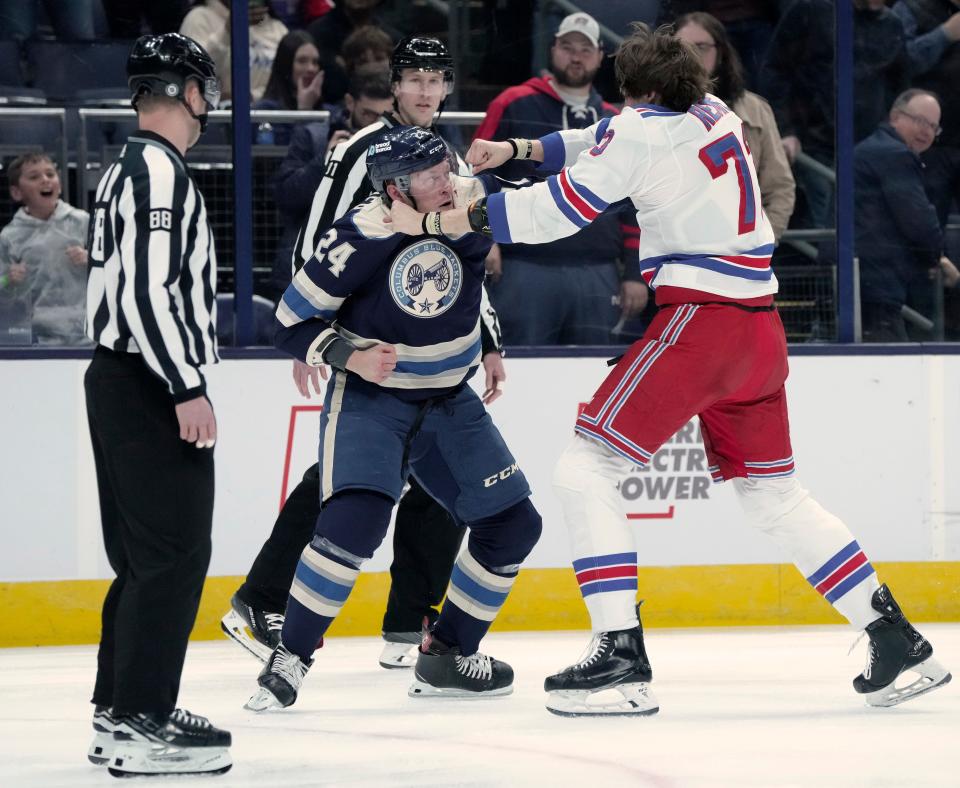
(506,473)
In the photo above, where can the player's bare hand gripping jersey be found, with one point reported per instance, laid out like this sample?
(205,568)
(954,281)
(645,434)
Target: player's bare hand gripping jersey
(703,233)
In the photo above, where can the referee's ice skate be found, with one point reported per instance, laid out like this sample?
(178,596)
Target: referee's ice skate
(612,678)
(895,648)
(399,650)
(176,743)
(101,748)
(256,630)
(280,681)
(442,671)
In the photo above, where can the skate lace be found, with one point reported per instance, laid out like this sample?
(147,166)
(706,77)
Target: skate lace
(274,621)
(476,666)
(185,719)
(290,666)
(872,655)
(595,648)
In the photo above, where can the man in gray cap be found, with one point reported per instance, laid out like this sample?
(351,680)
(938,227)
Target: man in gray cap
(536,306)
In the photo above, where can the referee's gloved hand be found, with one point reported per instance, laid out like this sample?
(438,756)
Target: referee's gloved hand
(374,364)
(197,422)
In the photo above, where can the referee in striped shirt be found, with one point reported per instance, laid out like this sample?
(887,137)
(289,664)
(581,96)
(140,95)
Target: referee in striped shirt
(151,310)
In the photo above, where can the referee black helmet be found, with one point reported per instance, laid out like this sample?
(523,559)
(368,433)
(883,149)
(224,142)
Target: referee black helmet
(161,65)
(424,53)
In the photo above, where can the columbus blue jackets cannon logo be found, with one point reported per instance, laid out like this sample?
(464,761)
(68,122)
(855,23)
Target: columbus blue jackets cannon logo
(426,279)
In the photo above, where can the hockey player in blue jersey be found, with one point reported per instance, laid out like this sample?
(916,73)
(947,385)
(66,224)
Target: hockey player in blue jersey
(397,318)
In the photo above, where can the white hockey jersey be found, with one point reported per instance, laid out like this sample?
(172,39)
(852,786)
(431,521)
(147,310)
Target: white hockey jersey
(703,233)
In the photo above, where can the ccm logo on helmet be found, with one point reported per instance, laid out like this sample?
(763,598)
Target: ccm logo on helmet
(506,473)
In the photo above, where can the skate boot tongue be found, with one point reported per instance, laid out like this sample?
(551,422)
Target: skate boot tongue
(884,603)
(598,646)
(476,666)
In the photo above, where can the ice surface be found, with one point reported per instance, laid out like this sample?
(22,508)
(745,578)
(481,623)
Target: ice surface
(739,707)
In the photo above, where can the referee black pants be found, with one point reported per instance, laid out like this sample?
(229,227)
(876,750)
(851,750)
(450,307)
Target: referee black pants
(426,541)
(156,505)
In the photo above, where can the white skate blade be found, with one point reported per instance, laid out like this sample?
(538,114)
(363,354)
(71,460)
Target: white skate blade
(101,749)
(931,676)
(398,655)
(420,689)
(133,759)
(262,700)
(624,700)
(235,628)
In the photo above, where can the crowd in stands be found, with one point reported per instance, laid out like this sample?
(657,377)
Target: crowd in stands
(772,61)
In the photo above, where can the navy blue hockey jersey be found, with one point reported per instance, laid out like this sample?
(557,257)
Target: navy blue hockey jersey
(370,285)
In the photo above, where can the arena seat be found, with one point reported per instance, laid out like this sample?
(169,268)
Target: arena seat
(63,68)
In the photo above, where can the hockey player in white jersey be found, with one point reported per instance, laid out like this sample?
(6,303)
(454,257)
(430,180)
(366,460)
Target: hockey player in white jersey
(716,349)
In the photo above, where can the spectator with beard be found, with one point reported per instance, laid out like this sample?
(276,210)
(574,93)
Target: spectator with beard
(536,306)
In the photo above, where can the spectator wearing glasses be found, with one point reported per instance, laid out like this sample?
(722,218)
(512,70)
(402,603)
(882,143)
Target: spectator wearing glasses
(932,29)
(899,240)
(748,25)
(720,59)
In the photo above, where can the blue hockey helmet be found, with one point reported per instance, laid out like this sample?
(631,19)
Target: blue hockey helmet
(402,151)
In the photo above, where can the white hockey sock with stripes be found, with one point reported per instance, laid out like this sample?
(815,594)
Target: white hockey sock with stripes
(601,541)
(818,542)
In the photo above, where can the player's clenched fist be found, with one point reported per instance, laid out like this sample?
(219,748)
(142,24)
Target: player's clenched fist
(484,155)
(374,364)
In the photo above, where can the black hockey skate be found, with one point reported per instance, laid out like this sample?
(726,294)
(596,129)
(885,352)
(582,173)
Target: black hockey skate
(280,681)
(258,631)
(612,678)
(896,647)
(442,671)
(175,743)
(101,749)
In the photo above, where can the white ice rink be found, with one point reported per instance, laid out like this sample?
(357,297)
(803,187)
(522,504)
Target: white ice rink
(739,707)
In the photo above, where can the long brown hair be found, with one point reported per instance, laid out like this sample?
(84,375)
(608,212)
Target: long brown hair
(280,87)
(728,81)
(656,62)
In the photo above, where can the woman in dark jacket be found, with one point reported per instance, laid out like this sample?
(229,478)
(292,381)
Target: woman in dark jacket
(296,83)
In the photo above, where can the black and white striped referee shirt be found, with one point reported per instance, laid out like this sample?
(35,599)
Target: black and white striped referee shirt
(151,287)
(345,184)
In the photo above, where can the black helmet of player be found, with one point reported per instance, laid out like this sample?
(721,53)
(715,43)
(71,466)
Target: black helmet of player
(161,65)
(401,152)
(423,53)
